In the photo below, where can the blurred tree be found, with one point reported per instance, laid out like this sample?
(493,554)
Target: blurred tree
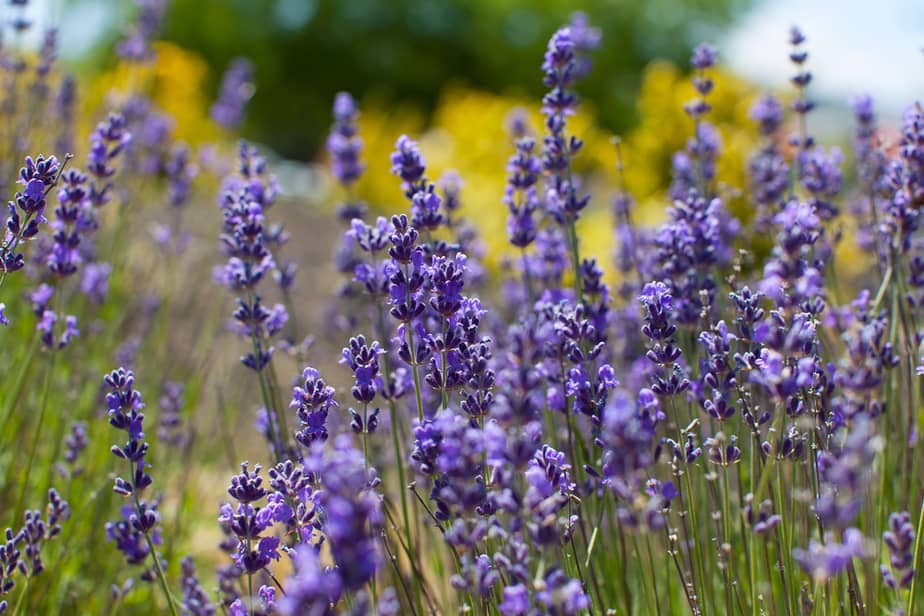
(409,50)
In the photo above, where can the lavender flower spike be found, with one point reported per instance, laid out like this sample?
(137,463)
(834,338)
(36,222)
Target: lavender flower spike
(236,90)
(343,144)
(137,534)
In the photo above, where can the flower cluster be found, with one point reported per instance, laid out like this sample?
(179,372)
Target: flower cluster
(138,532)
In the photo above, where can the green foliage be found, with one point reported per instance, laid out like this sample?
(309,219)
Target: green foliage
(409,50)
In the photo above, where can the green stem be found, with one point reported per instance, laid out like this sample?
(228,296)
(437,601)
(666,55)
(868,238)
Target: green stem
(915,559)
(161,576)
(38,434)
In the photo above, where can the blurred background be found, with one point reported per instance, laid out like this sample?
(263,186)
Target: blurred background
(412,54)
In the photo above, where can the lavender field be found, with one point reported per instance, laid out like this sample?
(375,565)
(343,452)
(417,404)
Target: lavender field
(222,396)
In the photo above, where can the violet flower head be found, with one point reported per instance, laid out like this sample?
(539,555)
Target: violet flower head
(125,406)
(138,528)
(312,587)
(820,176)
(95,281)
(585,38)
(21,550)
(899,540)
(343,144)
(107,143)
(353,512)
(72,218)
(450,184)
(236,90)
(26,211)
(46,56)
(312,401)
(426,210)
(844,473)
(768,113)
(180,172)
(558,68)
(170,424)
(194,598)
(248,239)
(64,111)
(408,164)
(47,327)
(560,72)
(704,57)
(660,329)
(516,123)
(520,194)
(363,361)
(825,561)
(74,444)
(803,77)
(253,551)
(137,43)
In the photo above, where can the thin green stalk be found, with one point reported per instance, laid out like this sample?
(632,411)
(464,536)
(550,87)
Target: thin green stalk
(22,597)
(250,605)
(409,336)
(38,434)
(726,539)
(161,576)
(12,398)
(396,421)
(915,560)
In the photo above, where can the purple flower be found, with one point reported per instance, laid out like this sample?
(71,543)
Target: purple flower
(253,551)
(520,195)
(137,42)
(75,442)
(137,529)
(515,601)
(560,70)
(704,56)
(768,113)
(800,80)
(585,39)
(21,550)
(312,588)
(825,561)
(353,512)
(26,211)
(180,172)
(233,95)
(312,402)
(47,327)
(107,143)
(343,144)
(562,595)
(407,162)
(899,539)
(95,281)
(195,599)
(170,425)
(363,361)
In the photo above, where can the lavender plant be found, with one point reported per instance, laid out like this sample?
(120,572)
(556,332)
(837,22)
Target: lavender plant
(725,424)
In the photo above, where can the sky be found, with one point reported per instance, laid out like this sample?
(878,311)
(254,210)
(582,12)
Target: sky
(855,47)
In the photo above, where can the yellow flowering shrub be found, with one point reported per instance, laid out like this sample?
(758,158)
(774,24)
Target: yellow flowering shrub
(467,132)
(174,81)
